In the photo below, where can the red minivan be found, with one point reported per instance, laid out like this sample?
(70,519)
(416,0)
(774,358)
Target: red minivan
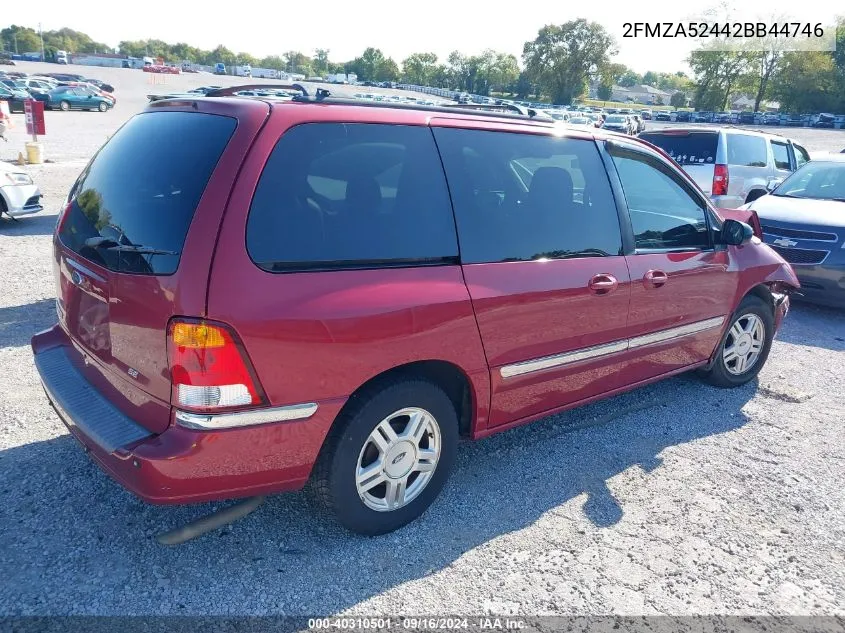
(255,293)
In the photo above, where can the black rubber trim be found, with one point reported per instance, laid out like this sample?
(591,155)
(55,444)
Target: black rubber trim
(80,405)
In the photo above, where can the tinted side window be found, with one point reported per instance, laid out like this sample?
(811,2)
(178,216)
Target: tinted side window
(663,213)
(747,151)
(340,194)
(519,197)
(781,154)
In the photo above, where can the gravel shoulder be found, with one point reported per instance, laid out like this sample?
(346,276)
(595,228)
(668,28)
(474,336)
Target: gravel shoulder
(677,498)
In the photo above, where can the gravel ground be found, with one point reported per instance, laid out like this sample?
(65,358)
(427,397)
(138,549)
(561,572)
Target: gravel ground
(675,499)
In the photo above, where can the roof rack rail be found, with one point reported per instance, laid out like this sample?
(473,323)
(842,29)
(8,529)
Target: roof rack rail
(231,90)
(482,109)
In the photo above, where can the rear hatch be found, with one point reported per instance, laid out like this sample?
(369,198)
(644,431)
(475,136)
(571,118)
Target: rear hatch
(133,245)
(694,151)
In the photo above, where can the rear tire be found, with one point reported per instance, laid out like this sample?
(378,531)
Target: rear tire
(744,346)
(102,107)
(388,457)
(64,106)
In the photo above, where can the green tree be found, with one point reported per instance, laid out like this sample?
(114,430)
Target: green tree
(807,81)
(272,61)
(419,68)
(321,61)
(604,91)
(629,78)
(296,62)
(678,100)
(650,78)
(562,58)
(20,39)
(718,73)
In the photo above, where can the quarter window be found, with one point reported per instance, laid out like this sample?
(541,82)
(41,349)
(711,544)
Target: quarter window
(664,214)
(801,155)
(745,150)
(781,154)
(351,195)
(522,197)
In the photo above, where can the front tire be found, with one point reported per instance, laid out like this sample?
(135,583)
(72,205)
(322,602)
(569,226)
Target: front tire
(389,456)
(64,106)
(102,107)
(745,345)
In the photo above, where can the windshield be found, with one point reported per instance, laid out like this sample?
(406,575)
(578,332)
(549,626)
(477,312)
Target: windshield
(819,180)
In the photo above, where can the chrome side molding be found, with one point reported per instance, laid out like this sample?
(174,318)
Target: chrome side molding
(617,347)
(211,421)
(547,362)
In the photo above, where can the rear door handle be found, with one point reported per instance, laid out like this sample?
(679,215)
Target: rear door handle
(656,278)
(603,283)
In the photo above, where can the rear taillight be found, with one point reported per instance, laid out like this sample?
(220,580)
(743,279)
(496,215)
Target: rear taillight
(209,369)
(720,180)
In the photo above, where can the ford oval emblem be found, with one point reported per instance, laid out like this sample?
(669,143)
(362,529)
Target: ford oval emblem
(75,277)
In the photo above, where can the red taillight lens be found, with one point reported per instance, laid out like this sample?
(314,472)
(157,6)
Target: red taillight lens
(209,369)
(720,180)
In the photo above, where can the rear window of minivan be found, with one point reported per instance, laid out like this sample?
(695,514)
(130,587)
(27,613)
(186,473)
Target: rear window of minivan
(132,205)
(686,148)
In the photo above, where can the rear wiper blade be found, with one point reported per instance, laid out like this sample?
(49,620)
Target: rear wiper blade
(143,250)
(111,245)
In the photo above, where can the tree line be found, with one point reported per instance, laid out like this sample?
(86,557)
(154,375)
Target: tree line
(558,65)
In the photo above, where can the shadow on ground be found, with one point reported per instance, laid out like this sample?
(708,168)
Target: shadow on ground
(37,224)
(19,323)
(814,326)
(80,539)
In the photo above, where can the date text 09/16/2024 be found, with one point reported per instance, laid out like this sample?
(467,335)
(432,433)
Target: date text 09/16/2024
(417,623)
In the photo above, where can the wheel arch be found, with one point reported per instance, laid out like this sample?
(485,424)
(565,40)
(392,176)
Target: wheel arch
(447,375)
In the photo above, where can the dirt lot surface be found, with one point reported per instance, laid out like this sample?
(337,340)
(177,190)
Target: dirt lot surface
(677,498)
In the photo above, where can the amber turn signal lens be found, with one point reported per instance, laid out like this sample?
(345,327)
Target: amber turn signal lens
(197,335)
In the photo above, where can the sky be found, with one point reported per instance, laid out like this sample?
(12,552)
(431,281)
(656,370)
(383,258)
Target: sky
(397,27)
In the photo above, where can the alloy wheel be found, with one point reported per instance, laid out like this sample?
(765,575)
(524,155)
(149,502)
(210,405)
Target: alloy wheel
(398,459)
(744,344)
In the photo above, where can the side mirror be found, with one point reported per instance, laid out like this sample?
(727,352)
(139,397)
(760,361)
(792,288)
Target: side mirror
(736,233)
(772,184)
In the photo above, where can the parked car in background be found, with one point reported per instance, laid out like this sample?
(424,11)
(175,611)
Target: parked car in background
(15,97)
(64,76)
(77,98)
(803,219)
(732,166)
(663,115)
(102,85)
(19,195)
(618,123)
(824,120)
(92,89)
(771,118)
(749,118)
(683,116)
(646,115)
(302,311)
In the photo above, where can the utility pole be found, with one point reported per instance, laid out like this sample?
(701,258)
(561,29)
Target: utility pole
(15,35)
(41,35)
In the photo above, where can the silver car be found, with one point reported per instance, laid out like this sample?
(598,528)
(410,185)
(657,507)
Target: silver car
(732,165)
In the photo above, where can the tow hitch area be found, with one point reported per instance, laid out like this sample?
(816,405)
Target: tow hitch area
(210,522)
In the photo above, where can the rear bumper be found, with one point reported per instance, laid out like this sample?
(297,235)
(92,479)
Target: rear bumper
(181,465)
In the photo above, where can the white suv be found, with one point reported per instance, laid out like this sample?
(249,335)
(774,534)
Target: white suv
(732,165)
